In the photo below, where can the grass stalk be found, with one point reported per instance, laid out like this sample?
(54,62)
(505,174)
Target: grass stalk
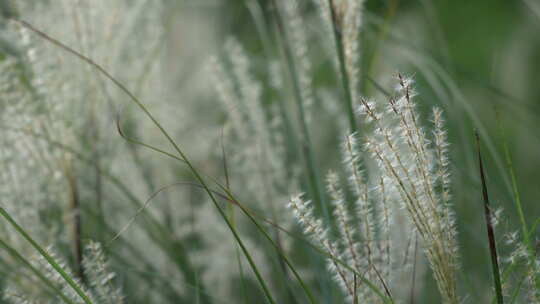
(489,225)
(517,197)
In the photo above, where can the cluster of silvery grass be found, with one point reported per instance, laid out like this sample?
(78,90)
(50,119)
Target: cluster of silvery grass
(397,199)
(54,112)
(412,178)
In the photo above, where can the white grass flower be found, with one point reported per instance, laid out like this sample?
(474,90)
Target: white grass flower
(412,167)
(100,278)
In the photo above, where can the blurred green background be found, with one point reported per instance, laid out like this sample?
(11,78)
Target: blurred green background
(478,60)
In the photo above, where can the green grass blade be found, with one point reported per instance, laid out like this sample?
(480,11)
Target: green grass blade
(517,198)
(43,278)
(46,256)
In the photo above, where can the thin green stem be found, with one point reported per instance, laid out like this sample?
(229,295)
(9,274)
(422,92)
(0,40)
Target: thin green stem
(517,199)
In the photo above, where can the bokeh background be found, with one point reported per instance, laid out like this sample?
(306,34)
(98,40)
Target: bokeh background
(478,60)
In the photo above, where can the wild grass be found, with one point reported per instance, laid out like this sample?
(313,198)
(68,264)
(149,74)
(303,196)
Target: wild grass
(301,168)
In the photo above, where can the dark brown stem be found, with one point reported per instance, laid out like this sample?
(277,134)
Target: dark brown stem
(489,225)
